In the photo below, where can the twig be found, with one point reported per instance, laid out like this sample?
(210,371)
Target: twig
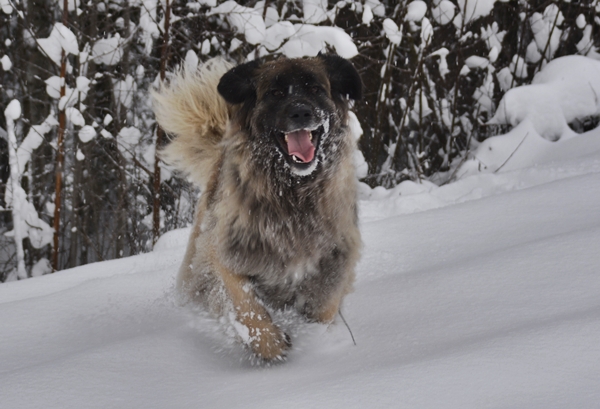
(513,152)
(347,326)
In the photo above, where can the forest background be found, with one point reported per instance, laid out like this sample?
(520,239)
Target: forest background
(79,177)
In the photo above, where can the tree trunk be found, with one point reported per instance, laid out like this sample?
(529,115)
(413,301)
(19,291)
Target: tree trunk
(160,134)
(60,149)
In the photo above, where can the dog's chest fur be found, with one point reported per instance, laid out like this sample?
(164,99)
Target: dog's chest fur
(281,233)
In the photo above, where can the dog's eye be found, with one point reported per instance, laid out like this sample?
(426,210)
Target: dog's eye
(315,89)
(277,93)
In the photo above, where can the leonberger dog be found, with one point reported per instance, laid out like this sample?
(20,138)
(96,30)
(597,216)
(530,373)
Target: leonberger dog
(268,143)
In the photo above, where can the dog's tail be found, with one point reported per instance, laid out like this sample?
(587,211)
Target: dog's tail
(190,108)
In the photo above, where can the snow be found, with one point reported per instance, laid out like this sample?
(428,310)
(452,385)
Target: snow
(271,16)
(443,64)
(33,140)
(61,38)
(545,29)
(367,15)
(13,110)
(205,49)
(128,138)
(505,79)
(83,86)
(392,32)
(140,71)
(585,45)
(292,40)
(124,91)
(475,61)
(444,12)
(86,134)
(26,222)
(150,30)
(6,6)
(107,50)
(565,90)
(30,224)
(476,294)
(277,34)
(426,33)
(246,20)
(518,66)
(71,97)
(6,63)
(376,6)
(309,40)
(471,10)
(42,267)
(415,11)
(53,86)
(493,54)
(315,11)
(74,116)
(493,36)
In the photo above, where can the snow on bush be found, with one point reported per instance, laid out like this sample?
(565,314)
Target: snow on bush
(565,91)
(6,6)
(473,9)
(128,139)
(86,134)
(30,225)
(415,11)
(246,20)
(6,63)
(108,50)
(26,222)
(61,38)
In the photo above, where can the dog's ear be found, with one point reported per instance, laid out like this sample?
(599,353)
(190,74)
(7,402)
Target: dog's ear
(237,85)
(343,77)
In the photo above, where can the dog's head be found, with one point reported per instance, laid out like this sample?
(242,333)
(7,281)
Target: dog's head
(296,107)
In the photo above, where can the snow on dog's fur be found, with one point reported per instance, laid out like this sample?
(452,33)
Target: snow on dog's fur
(276,224)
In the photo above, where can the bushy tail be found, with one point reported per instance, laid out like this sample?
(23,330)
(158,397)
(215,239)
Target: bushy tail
(190,108)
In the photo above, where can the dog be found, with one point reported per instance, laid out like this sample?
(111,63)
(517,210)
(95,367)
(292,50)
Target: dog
(276,225)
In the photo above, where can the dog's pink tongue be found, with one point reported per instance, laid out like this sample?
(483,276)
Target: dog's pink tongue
(300,145)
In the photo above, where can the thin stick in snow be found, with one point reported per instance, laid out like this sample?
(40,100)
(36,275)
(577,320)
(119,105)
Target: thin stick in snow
(513,152)
(347,326)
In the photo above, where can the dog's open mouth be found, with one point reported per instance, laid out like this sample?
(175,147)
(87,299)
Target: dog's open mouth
(300,145)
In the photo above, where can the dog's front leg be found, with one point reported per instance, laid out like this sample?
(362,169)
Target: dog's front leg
(326,290)
(265,339)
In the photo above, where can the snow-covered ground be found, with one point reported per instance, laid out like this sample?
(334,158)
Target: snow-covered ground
(482,293)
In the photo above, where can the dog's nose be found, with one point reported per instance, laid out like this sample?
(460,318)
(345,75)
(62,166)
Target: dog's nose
(299,112)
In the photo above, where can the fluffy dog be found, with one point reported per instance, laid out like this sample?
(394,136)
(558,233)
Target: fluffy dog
(276,225)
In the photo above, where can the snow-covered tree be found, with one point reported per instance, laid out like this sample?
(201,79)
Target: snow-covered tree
(25,219)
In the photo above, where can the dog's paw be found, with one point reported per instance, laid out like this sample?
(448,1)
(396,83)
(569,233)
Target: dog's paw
(269,343)
(266,340)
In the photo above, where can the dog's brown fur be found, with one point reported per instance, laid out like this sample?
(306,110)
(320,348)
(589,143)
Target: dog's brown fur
(269,232)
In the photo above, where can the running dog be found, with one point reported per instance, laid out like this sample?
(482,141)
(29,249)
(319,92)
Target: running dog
(268,144)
